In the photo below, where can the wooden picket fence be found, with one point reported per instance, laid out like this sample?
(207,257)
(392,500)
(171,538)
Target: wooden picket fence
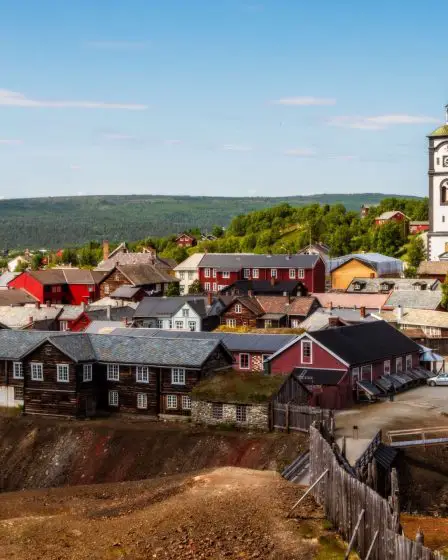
(298,417)
(366,520)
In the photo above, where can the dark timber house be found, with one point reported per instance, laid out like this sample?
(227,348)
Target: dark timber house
(76,374)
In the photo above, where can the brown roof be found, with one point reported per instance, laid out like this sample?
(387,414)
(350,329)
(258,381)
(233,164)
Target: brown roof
(433,267)
(252,304)
(261,305)
(66,276)
(15,297)
(142,274)
(135,259)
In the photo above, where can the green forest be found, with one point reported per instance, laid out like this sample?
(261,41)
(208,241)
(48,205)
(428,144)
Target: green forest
(58,222)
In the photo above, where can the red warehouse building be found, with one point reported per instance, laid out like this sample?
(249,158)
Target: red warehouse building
(219,270)
(71,285)
(339,362)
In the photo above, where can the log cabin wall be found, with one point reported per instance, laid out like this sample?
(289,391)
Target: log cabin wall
(112,282)
(245,318)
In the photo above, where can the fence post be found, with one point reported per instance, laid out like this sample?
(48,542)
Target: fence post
(287,417)
(355,532)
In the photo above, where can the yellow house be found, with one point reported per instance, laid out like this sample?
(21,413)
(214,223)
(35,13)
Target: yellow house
(369,265)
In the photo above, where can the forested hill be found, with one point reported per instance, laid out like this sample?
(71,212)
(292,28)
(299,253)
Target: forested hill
(62,221)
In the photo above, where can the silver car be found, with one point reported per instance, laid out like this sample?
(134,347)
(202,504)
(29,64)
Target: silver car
(441,379)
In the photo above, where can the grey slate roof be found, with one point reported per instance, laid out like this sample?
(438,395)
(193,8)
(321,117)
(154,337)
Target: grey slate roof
(320,318)
(415,299)
(373,285)
(76,345)
(13,344)
(103,327)
(234,341)
(230,261)
(111,313)
(167,306)
(125,292)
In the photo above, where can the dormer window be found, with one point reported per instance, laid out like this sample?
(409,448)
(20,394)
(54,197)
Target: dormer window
(357,286)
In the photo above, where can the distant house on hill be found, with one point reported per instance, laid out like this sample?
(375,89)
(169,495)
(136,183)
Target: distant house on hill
(16,261)
(391,216)
(368,265)
(366,209)
(186,240)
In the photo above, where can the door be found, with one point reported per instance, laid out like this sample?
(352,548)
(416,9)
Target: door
(90,406)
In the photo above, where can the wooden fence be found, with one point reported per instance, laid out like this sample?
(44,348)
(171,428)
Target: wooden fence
(298,417)
(370,522)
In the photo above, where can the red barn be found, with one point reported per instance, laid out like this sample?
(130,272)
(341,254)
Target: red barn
(392,216)
(336,363)
(186,240)
(418,227)
(219,270)
(71,285)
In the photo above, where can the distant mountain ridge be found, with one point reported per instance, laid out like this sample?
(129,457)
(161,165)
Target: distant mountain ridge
(53,222)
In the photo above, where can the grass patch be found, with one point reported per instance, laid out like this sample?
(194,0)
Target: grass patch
(239,388)
(308,530)
(332,548)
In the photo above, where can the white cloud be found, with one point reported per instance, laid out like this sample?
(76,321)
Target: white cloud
(379,122)
(10,142)
(305,101)
(300,152)
(15,99)
(117,45)
(237,148)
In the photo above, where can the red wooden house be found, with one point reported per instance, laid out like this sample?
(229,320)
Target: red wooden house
(70,285)
(186,240)
(218,270)
(391,216)
(418,227)
(333,362)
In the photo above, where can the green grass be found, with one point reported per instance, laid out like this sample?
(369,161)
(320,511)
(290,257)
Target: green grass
(332,548)
(240,388)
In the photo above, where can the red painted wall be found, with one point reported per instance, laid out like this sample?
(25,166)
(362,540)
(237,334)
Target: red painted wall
(80,324)
(419,228)
(26,282)
(79,293)
(396,218)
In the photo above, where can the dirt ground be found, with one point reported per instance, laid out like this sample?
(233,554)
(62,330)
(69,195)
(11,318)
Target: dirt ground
(435,530)
(222,513)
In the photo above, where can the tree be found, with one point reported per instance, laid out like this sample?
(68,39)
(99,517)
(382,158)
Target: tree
(36,261)
(195,288)
(173,289)
(444,301)
(416,251)
(21,266)
(217,231)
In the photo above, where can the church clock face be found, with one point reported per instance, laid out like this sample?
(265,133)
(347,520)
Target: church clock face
(445,161)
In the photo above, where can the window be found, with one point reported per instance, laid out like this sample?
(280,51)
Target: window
(178,376)
(185,312)
(273,273)
(214,273)
(399,365)
(186,402)
(264,357)
(247,273)
(231,322)
(295,323)
(62,373)
(87,372)
(113,372)
(238,308)
(217,411)
(159,323)
(307,356)
(356,286)
(142,400)
(56,289)
(225,274)
(409,361)
(170,324)
(106,289)
(241,413)
(207,273)
(301,273)
(292,273)
(37,371)
(171,401)
(255,273)
(179,324)
(267,324)
(181,289)
(215,286)
(18,393)
(192,325)
(386,367)
(17,370)
(63,325)
(355,376)
(113,398)
(182,275)
(142,374)
(244,361)
(366,372)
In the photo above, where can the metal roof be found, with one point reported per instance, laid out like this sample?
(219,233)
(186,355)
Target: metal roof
(237,261)
(381,263)
(167,306)
(309,376)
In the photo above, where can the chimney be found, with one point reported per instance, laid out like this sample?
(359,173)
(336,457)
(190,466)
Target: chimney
(210,299)
(31,320)
(105,250)
(37,304)
(108,315)
(362,311)
(331,305)
(333,321)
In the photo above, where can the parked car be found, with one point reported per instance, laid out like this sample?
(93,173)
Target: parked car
(441,379)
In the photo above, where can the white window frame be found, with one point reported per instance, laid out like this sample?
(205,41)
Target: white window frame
(185,312)
(225,274)
(246,273)
(398,364)
(186,402)
(113,372)
(302,345)
(214,272)
(273,273)
(238,308)
(113,398)
(142,401)
(87,373)
(206,273)
(182,275)
(17,370)
(37,371)
(231,323)
(178,376)
(215,286)
(63,373)
(292,273)
(240,360)
(159,323)
(367,368)
(255,273)
(171,402)
(217,411)
(241,413)
(63,326)
(106,289)
(192,326)
(409,359)
(179,324)
(300,273)
(142,374)
(207,286)
(386,367)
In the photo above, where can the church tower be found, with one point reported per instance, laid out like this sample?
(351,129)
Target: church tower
(438,193)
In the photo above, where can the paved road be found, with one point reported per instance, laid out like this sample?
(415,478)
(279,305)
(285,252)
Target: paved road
(423,406)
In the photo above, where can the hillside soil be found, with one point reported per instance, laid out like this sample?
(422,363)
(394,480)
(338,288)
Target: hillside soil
(221,513)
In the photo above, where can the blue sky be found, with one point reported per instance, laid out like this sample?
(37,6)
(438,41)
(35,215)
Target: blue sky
(219,97)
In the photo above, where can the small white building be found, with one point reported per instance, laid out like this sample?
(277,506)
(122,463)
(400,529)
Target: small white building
(188,271)
(13,263)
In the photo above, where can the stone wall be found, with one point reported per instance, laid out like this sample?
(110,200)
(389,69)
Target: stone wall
(257,415)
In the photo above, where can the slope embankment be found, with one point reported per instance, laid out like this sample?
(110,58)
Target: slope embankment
(37,452)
